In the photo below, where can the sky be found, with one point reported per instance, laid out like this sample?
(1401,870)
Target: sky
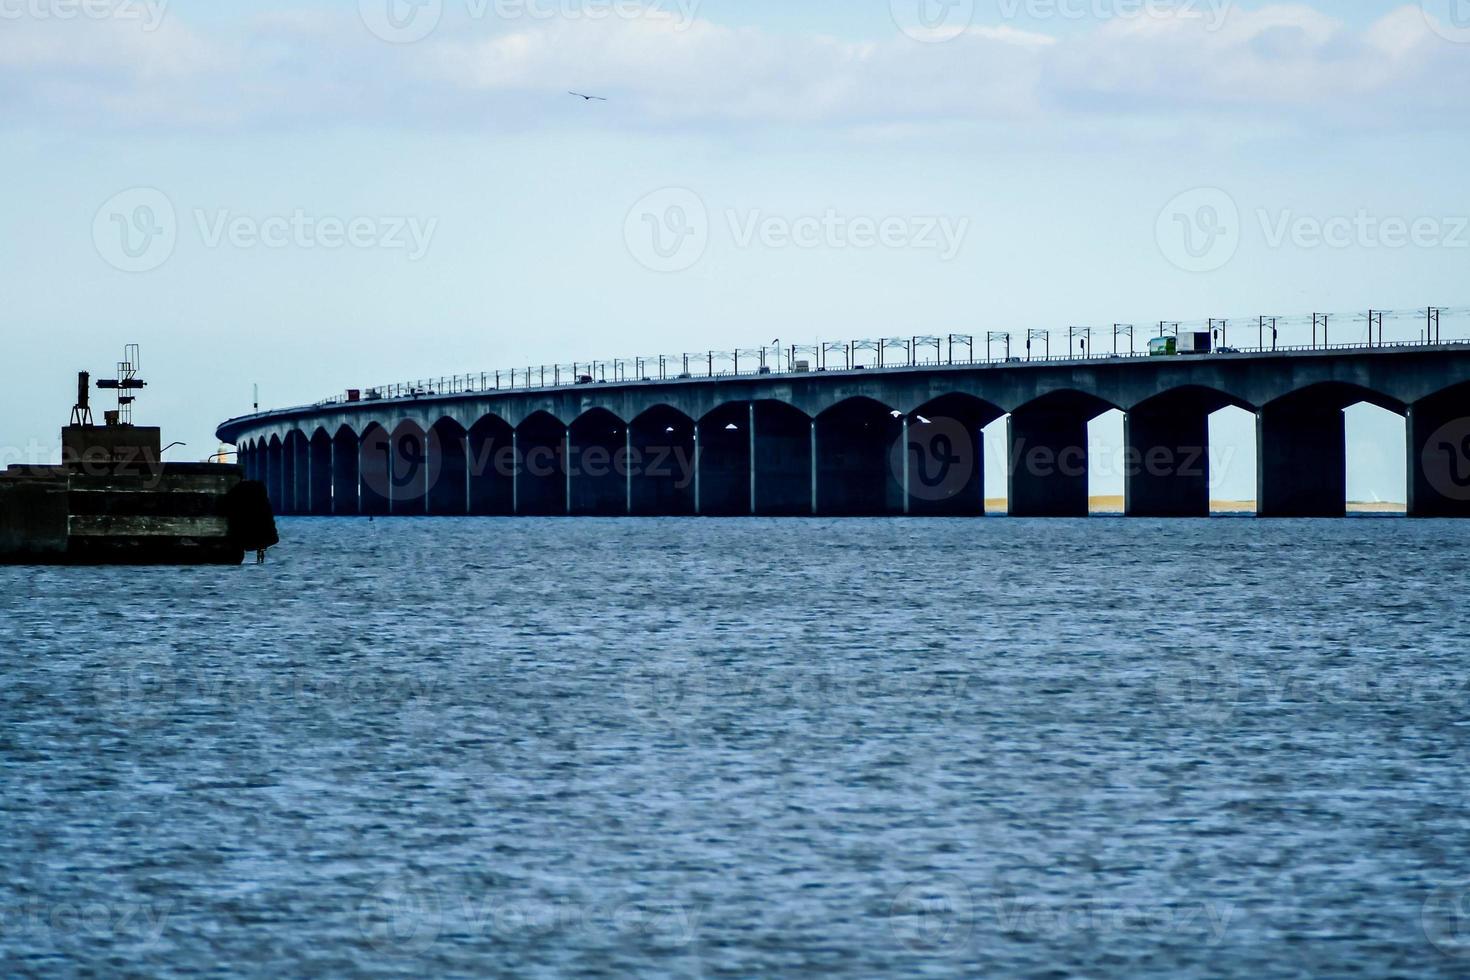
(309,196)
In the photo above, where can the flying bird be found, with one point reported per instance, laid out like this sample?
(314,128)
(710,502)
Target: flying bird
(588,98)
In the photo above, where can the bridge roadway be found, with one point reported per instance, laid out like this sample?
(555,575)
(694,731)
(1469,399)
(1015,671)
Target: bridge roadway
(889,441)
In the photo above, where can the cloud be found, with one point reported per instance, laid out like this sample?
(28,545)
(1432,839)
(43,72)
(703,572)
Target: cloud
(1290,62)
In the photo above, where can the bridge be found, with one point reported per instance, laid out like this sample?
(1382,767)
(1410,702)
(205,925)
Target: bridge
(788,438)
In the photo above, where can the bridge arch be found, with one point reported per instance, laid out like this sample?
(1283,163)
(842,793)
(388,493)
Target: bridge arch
(414,470)
(1438,448)
(855,451)
(319,473)
(449,489)
(275,475)
(1302,448)
(1166,454)
(1048,453)
(661,460)
(492,462)
(943,471)
(375,470)
(541,476)
(597,464)
(346,478)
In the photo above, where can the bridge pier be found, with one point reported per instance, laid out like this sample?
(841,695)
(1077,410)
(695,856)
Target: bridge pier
(492,464)
(541,476)
(944,463)
(597,459)
(375,472)
(855,477)
(320,470)
(411,472)
(1166,455)
(724,464)
(1301,448)
(1439,455)
(661,463)
(346,482)
(449,471)
(301,474)
(784,472)
(1048,456)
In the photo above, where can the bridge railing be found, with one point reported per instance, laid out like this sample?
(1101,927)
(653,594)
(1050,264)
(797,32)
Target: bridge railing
(1377,329)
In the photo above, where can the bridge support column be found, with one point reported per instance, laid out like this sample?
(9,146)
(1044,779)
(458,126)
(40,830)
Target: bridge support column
(1301,468)
(375,473)
(1048,464)
(301,495)
(855,443)
(345,479)
(288,475)
(321,476)
(943,466)
(275,477)
(597,466)
(1166,460)
(778,482)
(1439,456)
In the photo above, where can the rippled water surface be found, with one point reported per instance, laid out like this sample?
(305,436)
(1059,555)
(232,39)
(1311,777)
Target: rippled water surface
(728,748)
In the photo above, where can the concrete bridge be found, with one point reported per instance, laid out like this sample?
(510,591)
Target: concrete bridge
(865,442)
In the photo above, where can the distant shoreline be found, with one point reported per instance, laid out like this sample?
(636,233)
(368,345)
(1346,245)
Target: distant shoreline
(1114,505)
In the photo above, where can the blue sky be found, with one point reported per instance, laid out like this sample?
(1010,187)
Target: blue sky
(344,209)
